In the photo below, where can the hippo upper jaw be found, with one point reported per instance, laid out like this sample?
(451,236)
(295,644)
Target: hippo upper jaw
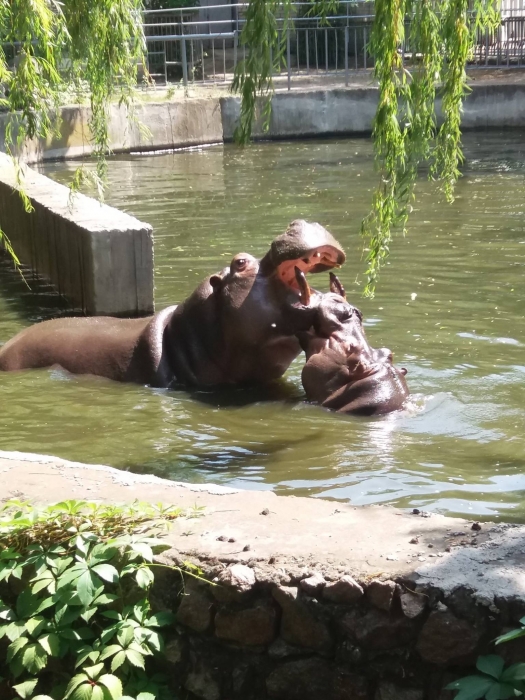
(306,246)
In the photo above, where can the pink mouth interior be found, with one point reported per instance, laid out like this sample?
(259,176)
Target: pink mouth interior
(325,255)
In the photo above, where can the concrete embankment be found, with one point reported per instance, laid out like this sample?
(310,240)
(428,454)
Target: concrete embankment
(98,257)
(315,599)
(305,112)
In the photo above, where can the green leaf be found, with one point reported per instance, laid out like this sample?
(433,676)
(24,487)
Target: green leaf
(87,584)
(50,643)
(471,687)
(142,549)
(110,650)
(74,683)
(500,691)
(491,665)
(516,672)
(93,672)
(144,577)
(135,658)
(113,685)
(25,689)
(160,619)
(118,660)
(34,658)
(509,636)
(102,552)
(15,647)
(126,635)
(145,696)
(107,572)
(35,625)
(97,693)
(82,692)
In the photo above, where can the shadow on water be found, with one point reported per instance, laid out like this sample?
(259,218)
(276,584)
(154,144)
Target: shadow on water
(28,296)
(240,396)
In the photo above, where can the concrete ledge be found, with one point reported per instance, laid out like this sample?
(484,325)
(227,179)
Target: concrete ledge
(314,599)
(187,122)
(79,245)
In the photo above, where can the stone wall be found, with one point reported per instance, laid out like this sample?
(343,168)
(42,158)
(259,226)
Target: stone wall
(305,636)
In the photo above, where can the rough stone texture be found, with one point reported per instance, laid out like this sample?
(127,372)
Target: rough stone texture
(202,680)
(313,679)
(78,246)
(377,630)
(195,611)
(381,594)
(313,584)
(412,604)
(346,590)
(239,577)
(299,626)
(250,627)
(445,639)
(389,691)
(325,649)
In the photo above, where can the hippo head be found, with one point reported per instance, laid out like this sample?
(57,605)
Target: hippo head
(246,317)
(342,371)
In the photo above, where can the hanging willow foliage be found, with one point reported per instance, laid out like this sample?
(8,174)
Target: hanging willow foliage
(91,46)
(441,35)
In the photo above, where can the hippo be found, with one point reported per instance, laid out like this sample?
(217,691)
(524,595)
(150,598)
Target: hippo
(342,372)
(238,326)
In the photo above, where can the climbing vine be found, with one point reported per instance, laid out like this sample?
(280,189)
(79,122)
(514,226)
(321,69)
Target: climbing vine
(440,35)
(76,621)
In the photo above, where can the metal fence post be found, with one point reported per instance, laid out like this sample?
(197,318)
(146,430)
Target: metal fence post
(346,55)
(184,61)
(288,59)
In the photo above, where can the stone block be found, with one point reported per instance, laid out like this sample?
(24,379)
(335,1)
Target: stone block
(100,258)
(239,577)
(195,611)
(250,627)
(446,639)
(412,604)
(381,594)
(315,679)
(346,590)
(299,626)
(390,691)
(202,680)
(313,584)
(378,630)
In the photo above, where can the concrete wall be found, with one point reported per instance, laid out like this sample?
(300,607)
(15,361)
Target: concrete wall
(177,124)
(296,114)
(79,245)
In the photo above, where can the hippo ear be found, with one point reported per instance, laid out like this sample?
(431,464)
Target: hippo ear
(216,283)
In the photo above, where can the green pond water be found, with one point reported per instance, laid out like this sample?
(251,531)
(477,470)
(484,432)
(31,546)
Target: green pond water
(459,448)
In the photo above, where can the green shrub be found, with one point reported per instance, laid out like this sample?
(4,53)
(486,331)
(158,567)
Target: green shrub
(494,682)
(75,615)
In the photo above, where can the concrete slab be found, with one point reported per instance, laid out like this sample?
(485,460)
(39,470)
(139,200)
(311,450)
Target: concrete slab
(294,534)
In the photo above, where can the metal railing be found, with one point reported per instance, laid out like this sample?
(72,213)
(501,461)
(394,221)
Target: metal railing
(201,44)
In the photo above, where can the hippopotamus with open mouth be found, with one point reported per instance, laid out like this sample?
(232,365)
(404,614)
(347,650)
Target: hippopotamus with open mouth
(238,326)
(342,371)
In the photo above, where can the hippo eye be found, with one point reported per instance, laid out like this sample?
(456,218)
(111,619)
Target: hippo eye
(240,263)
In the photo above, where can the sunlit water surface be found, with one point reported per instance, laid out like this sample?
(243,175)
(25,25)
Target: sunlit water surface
(459,447)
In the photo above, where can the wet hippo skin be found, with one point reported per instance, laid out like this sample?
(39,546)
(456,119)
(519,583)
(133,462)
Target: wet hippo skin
(342,372)
(239,325)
